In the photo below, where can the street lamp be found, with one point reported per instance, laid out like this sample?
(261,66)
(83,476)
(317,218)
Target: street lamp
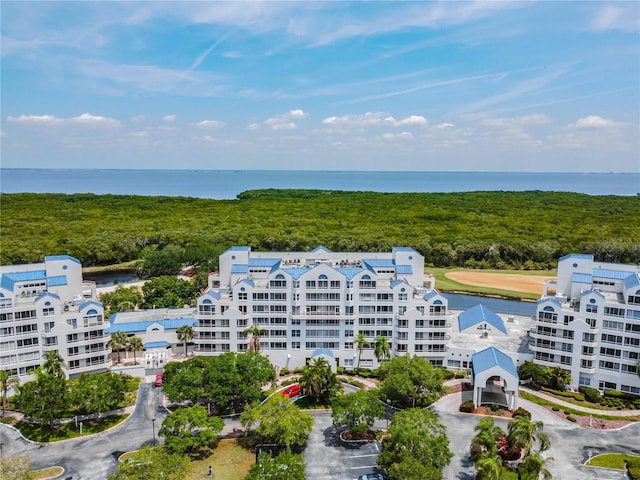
(388,411)
(153,427)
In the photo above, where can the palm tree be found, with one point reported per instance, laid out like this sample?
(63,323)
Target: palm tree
(134,344)
(185,334)
(523,434)
(4,385)
(485,442)
(557,377)
(381,348)
(532,466)
(255,331)
(489,468)
(53,364)
(117,342)
(317,380)
(361,342)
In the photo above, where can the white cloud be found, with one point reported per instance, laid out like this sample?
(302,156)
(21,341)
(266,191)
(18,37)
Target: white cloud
(84,119)
(169,118)
(253,126)
(400,136)
(140,134)
(365,120)
(284,120)
(137,118)
(410,121)
(618,16)
(445,125)
(524,121)
(88,119)
(36,119)
(231,54)
(593,121)
(210,124)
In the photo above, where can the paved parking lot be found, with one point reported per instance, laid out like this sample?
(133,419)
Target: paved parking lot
(329,459)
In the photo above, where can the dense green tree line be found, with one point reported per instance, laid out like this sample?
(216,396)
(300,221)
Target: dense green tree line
(474,229)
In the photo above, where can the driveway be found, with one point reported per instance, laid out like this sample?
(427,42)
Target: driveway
(94,457)
(569,443)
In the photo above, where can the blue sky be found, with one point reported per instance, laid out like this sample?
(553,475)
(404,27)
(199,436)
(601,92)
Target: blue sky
(434,86)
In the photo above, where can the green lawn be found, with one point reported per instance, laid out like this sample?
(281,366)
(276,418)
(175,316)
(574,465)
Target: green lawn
(611,460)
(228,460)
(544,402)
(42,433)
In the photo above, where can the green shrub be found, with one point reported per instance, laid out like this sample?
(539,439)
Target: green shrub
(448,374)
(555,409)
(567,412)
(364,374)
(590,394)
(467,407)
(340,370)
(284,372)
(571,419)
(495,408)
(521,412)
(633,466)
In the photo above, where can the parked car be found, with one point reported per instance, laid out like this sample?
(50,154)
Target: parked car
(373,476)
(159,380)
(291,391)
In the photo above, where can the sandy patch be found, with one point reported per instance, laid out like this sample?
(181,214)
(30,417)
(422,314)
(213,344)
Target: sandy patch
(503,281)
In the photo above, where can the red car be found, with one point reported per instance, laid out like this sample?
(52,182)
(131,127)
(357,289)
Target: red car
(159,380)
(291,391)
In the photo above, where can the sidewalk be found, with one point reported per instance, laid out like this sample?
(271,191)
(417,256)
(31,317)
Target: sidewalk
(595,411)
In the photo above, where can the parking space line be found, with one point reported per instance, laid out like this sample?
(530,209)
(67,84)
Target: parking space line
(363,456)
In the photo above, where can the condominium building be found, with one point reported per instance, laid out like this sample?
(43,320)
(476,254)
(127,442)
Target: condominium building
(316,303)
(588,323)
(47,306)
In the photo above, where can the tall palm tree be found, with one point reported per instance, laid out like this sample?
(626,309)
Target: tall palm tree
(53,364)
(524,434)
(117,342)
(532,466)
(185,334)
(134,344)
(4,385)
(381,348)
(317,380)
(255,331)
(361,342)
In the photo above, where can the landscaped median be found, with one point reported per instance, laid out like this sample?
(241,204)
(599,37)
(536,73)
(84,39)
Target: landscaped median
(617,461)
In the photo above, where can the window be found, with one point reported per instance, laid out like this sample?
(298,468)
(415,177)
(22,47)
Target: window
(607,365)
(614,312)
(589,337)
(311,284)
(592,322)
(335,284)
(243,296)
(629,369)
(611,325)
(295,333)
(568,319)
(47,312)
(591,308)
(610,352)
(612,339)
(348,333)
(402,297)
(632,327)
(632,341)
(548,317)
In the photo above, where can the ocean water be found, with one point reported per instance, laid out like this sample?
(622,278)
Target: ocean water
(227,184)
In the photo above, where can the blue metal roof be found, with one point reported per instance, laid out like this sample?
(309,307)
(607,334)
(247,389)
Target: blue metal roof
(595,292)
(90,303)
(239,268)
(238,248)
(395,283)
(583,256)
(322,351)
(612,274)
(57,281)
(492,357)
(479,314)
(247,281)
(403,249)
(58,258)
(263,262)
(320,249)
(296,272)
(404,270)
(581,278)
(47,294)
(156,344)
(379,262)
(132,327)
(631,281)
(432,294)
(26,276)
(212,293)
(555,302)
(349,273)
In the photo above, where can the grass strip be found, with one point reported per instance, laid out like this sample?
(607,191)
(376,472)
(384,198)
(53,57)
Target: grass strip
(547,403)
(45,473)
(229,461)
(611,460)
(44,433)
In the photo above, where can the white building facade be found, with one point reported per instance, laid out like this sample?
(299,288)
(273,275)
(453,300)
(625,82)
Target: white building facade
(316,303)
(47,306)
(588,323)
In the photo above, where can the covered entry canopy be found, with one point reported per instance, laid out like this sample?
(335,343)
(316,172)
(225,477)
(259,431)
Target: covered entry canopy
(493,373)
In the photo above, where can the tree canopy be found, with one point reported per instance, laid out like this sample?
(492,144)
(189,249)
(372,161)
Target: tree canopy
(417,447)
(410,381)
(357,411)
(228,381)
(153,463)
(286,465)
(473,229)
(188,429)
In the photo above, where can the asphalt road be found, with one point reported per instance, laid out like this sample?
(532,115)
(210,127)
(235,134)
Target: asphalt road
(327,458)
(94,457)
